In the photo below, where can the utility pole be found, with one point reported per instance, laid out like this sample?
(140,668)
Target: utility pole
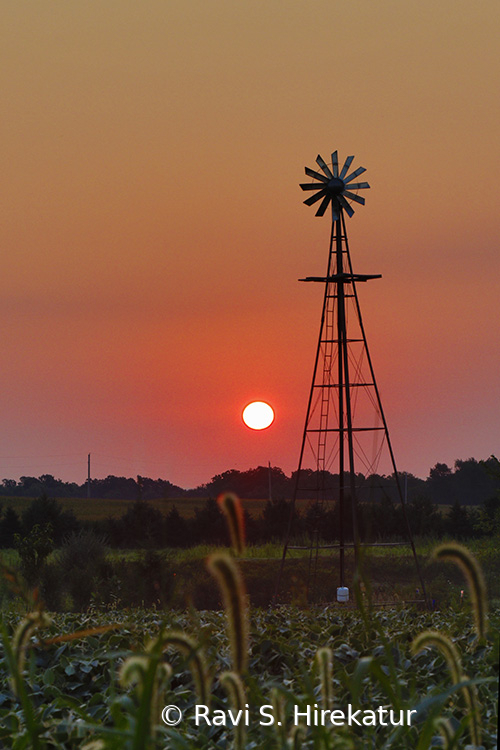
(88,477)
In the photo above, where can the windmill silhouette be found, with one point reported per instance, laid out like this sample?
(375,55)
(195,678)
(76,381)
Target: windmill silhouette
(345,428)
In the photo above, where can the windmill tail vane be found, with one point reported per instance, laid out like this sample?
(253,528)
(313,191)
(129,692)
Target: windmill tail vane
(334,187)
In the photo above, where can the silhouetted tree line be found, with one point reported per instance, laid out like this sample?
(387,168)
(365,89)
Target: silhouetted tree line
(120,488)
(470,482)
(143,526)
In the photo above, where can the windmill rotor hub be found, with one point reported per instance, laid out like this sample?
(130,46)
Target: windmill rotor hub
(335,186)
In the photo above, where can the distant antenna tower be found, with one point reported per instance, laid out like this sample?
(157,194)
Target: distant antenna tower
(345,426)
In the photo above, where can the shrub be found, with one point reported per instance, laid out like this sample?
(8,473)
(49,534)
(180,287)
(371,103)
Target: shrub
(45,510)
(79,563)
(33,548)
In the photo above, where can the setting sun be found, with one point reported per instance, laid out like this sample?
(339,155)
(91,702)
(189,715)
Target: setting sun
(258,415)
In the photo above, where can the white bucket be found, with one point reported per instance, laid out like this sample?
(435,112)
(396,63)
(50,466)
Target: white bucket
(342,594)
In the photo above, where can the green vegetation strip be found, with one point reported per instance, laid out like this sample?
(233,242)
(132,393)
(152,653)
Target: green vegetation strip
(74,694)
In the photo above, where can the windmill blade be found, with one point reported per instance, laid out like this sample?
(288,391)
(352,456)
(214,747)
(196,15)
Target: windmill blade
(314,198)
(346,166)
(326,169)
(317,175)
(335,164)
(354,174)
(349,209)
(354,197)
(311,185)
(358,185)
(321,210)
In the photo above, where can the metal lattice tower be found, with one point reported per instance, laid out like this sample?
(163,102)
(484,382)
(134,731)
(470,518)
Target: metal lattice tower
(345,428)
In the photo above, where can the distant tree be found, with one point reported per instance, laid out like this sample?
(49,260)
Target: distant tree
(29,486)
(473,484)
(315,521)
(253,483)
(424,517)
(208,525)
(10,525)
(33,548)
(383,520)
(45,510)
(176,530)
(441,484)
(9,486)
(79,562)
(142,525)
(458,522)
(159,488)
(274,520)
(488,518)
(122,488)
(439,471)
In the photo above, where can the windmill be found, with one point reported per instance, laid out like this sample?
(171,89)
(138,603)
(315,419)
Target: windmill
(345,429)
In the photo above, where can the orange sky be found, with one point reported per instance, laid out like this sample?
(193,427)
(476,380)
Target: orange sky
(153,229)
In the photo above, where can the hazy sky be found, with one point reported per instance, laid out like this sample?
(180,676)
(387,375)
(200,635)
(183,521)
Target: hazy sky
(153,230)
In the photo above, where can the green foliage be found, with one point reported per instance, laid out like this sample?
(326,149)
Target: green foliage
(78,564)
(142,525)
(45,510)
(76,696)
(67,693)
(33,548)
(10,525)
(488,520)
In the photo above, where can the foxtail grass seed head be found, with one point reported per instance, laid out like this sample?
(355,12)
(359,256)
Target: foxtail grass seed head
(278,704)
(133,672)
(24,631)
(195,659)
(233,685)
(469,566)
(446,731)
(228,576)
(297,734)
(324,663)
(230,505)
(435,639)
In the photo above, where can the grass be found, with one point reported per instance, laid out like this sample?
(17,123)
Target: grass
(487,549)
(391,571)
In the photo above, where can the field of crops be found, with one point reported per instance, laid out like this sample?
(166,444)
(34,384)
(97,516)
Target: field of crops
(98,509)
(325,677)
(75,692)
(284,677)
